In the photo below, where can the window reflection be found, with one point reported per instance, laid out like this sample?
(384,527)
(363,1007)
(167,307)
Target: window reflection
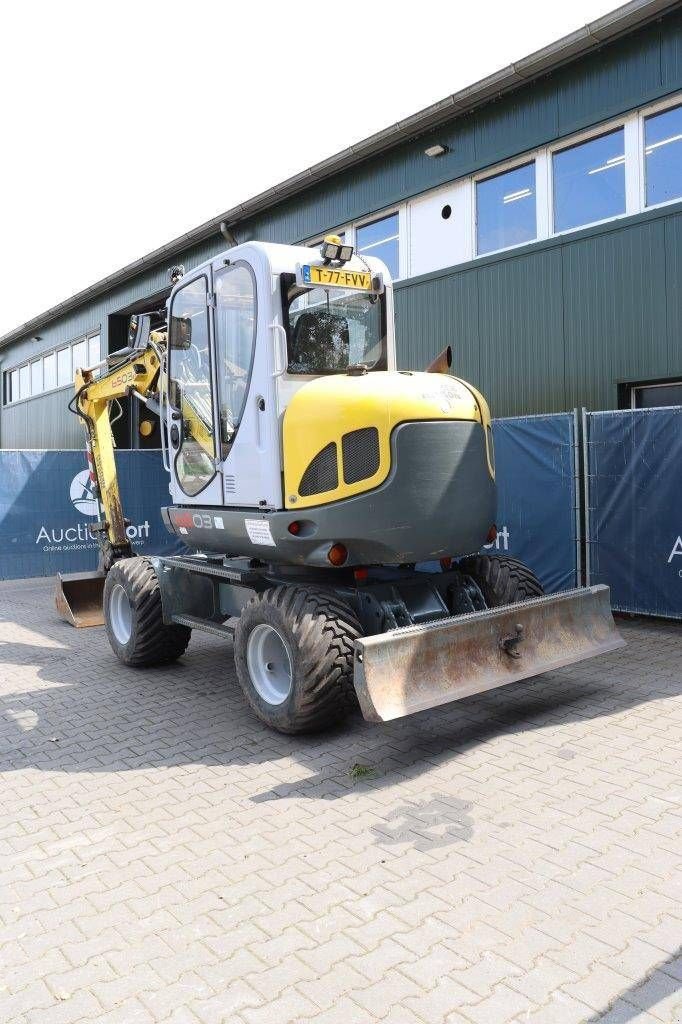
(589,181)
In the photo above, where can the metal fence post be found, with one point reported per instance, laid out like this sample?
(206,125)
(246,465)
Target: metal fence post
(577,505)
(586,496)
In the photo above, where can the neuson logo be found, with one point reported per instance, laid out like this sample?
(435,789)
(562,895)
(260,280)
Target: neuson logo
(81,494)
(78,537)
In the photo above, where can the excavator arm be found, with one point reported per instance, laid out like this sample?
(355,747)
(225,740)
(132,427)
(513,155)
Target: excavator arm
(138,371)
(138,374)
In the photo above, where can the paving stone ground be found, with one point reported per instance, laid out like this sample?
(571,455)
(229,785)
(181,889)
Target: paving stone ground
(165,858)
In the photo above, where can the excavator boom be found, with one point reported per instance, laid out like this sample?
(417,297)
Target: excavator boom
(135,370)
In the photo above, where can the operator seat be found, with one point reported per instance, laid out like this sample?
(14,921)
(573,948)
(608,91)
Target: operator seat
(320,343)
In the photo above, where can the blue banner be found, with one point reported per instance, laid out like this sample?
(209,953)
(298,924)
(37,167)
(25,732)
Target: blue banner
(46,505)
(635,508)
(537,496)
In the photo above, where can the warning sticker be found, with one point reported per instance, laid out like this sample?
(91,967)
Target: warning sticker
(218,522)
(259,532)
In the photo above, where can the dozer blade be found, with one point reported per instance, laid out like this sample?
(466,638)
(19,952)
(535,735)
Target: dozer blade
(419,667)
(79,598)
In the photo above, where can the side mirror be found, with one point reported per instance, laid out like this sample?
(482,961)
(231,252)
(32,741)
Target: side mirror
(138,331)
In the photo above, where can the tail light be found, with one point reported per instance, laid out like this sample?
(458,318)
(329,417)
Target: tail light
(337,554)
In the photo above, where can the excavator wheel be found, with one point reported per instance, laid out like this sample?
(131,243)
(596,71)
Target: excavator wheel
(293,650)
(133,616)
(502,580)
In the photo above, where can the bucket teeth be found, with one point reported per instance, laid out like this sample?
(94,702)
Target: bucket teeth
(78,597)
(420,667)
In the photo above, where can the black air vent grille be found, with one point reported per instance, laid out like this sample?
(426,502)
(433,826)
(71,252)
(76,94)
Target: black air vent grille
(360,450)
(322,474)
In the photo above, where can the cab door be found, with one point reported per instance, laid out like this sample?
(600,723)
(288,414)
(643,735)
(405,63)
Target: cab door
(191,420)
(247,413)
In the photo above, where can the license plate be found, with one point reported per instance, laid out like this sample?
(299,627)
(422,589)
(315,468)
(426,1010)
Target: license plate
(328,277)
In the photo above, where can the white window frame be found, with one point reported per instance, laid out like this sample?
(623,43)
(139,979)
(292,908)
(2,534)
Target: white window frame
(403,250)
(495,172)
(350,233)
(654,108)
(92,333)
(662,384)
(577,140)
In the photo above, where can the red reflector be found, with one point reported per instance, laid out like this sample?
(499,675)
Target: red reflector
(492,534)
(360,574)
(445,563)
(337,554)
(294,528)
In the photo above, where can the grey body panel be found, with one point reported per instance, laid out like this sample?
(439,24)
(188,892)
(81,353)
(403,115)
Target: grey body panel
(438,500)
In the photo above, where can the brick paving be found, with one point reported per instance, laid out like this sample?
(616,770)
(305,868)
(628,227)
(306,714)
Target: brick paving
(165,858)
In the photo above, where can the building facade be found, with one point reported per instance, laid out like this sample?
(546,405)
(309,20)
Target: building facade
(533,222)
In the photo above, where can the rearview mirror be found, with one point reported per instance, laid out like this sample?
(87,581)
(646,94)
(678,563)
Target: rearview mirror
(138,330)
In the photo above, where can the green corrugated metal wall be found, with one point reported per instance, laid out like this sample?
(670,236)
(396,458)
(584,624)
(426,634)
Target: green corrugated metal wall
(544,328)
(559,323)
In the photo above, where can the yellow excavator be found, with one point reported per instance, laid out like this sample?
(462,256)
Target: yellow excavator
(333,508)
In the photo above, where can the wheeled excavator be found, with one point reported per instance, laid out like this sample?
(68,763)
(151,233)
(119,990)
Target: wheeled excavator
(334,509)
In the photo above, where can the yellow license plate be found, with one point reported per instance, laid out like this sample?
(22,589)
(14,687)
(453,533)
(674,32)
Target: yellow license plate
(328,277)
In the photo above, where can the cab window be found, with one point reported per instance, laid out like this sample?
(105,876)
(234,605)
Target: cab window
(235,331)
(190,387)
(329,330)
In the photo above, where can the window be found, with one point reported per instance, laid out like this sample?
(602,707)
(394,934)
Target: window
(11,386)
(24,382)
(190,394)
(328,330)
(648,396)
(54,370)
(36,376)
(50,371)
(589,181)
(79,356)
(663,156)
(505,209)
(235,323)
(64,367)
(93,350)
(380,239)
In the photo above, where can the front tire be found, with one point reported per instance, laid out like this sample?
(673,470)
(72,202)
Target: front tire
(502,580)
(293,650)
(134,618)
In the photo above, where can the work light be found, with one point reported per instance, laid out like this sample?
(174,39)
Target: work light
(333,250)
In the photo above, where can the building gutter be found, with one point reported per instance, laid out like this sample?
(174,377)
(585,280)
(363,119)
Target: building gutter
(605,29)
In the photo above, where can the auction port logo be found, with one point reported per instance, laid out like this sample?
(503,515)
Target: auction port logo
(81,494)
(78,536)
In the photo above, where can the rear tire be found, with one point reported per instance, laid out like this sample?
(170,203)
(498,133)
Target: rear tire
(293,650)
(134,619)
(502,580)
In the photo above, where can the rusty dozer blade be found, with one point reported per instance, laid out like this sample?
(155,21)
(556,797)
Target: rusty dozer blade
(419,667)
(78,597)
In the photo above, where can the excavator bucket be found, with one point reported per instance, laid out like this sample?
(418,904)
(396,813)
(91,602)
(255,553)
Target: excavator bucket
(419,667)
(79,598)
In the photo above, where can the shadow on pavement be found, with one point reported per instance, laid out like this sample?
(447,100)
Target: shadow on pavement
(67,704)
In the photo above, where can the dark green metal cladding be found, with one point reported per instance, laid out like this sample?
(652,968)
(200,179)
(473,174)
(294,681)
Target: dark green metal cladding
(559,323)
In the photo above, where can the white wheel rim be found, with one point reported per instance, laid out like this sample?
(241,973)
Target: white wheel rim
(269,663)
(120,614)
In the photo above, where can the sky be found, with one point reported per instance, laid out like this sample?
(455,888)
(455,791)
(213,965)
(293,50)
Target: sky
(125,124)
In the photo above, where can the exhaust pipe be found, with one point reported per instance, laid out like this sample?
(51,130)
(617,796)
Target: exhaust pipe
(442,362)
